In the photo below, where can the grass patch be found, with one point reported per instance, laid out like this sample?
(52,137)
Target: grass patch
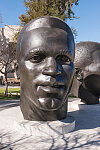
(9,97)
(72,96)
(14,93)
(12,90)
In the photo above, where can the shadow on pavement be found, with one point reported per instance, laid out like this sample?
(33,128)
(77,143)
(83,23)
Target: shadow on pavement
(5,104)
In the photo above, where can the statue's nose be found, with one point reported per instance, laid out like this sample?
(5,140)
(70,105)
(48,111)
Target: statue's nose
(51,67)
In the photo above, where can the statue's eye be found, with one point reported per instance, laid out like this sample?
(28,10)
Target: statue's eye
(37,58)
(63,59)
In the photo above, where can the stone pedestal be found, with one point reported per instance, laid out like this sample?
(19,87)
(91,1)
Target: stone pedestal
(17,134)
(45,128)
(12,119)
(78,105)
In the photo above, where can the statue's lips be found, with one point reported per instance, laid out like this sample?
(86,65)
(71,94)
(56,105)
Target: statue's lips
(47,91)
(53,84)
(50,89)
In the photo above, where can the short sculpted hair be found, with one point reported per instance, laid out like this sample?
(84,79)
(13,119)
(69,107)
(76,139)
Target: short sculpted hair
(83,53)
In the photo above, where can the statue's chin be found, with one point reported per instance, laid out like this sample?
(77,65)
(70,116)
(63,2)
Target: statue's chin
(49,103)
(43,103)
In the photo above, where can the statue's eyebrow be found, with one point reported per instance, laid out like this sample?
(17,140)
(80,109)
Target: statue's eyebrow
(65,52)
(37,50)
(44,52)
(34,51)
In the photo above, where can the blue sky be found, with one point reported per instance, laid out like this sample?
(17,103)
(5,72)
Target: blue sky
(10,10)
(87,26)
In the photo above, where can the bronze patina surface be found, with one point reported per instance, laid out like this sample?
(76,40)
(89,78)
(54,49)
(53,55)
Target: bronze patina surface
(87,63)
(45,53)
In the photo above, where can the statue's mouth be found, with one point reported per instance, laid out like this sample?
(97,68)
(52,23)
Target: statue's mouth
(53,84)
(51,89)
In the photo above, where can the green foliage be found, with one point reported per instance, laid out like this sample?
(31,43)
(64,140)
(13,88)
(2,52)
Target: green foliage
(58,8)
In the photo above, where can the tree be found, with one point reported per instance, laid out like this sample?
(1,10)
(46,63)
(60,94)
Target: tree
(74,32)
(7,58)
(58,8)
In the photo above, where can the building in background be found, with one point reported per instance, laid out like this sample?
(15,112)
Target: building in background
(7,35)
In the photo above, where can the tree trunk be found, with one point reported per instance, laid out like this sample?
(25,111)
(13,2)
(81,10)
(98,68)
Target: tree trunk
(6,85)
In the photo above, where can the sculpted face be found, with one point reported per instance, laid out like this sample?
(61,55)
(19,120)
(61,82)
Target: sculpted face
(46,67)
(45,53)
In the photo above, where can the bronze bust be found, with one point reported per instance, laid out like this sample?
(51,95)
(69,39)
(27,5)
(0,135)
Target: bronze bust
(45,53)
(87,64)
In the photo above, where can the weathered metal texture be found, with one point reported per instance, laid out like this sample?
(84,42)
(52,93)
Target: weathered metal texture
(87,64)
(45,53)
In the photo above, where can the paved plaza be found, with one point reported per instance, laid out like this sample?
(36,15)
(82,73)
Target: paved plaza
(86,134)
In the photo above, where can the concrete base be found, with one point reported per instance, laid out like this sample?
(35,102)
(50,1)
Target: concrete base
(45,128)
(86,135)
(12,119)
(81,106)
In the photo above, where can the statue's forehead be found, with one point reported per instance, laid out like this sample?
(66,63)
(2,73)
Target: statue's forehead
(50,39)
(47,22)
(45,33)
(45,38)
(43,28)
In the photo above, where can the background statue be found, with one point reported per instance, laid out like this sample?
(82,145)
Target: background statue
(87,64)
(45,53)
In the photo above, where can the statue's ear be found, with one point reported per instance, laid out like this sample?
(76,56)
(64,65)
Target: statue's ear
(79,74)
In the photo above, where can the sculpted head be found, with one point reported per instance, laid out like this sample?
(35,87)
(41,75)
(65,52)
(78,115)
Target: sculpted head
(45,53)
(87,62)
